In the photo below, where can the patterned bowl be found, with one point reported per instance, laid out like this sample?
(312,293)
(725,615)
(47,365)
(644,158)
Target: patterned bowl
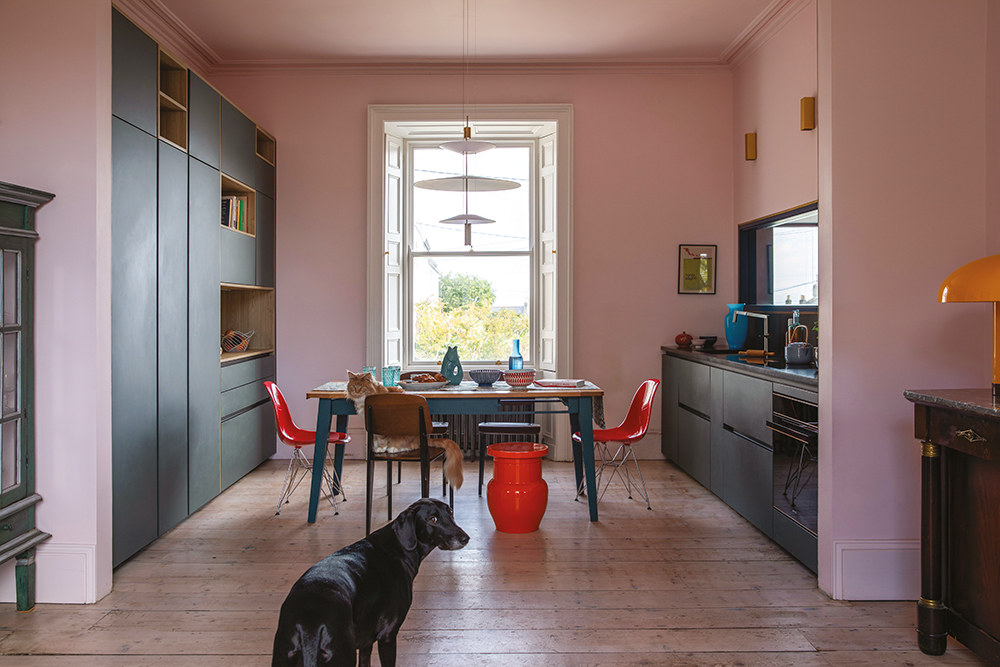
(519,379)
(484,377)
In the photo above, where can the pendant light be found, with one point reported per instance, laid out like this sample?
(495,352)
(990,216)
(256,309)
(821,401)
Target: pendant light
(466,147)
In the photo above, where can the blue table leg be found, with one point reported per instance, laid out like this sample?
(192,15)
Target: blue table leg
(319,454)
(584,410)
(338,452)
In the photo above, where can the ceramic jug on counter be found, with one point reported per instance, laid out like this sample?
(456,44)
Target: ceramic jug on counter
(736,332)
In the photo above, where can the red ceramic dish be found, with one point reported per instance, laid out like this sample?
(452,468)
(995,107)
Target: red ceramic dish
(520,378)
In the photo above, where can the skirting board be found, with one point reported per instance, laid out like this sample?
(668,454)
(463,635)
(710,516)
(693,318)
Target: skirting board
(876,570)
(64,574)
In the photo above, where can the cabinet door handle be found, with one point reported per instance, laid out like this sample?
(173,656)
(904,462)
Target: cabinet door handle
(971,435)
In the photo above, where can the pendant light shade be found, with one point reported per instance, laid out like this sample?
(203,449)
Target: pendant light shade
(467,146)
(467,218)
(467,184)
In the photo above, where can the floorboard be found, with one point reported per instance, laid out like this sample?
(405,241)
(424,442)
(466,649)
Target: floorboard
(690,583)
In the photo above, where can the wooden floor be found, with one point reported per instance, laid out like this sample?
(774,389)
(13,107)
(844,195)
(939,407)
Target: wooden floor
(688,583)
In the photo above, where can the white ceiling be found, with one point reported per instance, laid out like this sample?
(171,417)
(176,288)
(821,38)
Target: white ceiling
(288,32)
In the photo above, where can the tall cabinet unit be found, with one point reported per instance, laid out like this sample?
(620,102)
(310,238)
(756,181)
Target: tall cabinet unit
(173,165)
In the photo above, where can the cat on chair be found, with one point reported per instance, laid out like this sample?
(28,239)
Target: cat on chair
(362,385)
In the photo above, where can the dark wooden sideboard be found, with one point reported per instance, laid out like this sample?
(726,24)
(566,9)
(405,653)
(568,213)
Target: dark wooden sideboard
(959,431)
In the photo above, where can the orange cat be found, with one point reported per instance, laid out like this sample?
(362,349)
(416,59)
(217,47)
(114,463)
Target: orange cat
(362,385)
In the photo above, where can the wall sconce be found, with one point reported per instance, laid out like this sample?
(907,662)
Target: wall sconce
(978,281)
(751,146)
(807,112)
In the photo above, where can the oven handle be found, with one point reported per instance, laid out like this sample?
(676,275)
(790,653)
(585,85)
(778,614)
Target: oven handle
(794,435)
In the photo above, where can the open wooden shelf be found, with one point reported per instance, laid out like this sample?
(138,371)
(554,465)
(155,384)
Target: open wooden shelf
(173,92)
(265,146)
(246,308)
(233,188)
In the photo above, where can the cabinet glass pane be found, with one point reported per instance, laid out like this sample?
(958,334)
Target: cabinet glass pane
(10,373)
(9,471)
(11,272)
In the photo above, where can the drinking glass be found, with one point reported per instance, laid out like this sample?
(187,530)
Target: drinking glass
(368,369)
(390,376)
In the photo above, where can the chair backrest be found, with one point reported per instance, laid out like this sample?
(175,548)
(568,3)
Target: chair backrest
(397,414)
(640,411)
(289,433)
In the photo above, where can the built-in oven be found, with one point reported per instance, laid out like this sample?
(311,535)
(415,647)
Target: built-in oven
(795,425)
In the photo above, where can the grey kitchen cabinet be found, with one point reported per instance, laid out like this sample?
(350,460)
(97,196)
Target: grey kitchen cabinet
(264,242)
(133,339)
(668,407)
(203,362)
(204,121)
(239,257)
(172,337)
(748,478)
(133,74)
(239,145)
(694,445)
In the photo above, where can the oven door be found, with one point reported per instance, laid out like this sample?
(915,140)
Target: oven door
(795,439)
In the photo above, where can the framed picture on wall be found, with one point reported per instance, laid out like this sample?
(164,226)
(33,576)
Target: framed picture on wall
(696,269)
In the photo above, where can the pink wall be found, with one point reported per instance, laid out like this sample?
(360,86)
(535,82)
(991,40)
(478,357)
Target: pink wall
(767,88)
(55,132)
(652,167)
(903,123)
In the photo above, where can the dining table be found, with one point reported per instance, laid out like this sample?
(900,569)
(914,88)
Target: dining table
(583,404)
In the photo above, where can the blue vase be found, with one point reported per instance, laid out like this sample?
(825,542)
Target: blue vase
(736,332)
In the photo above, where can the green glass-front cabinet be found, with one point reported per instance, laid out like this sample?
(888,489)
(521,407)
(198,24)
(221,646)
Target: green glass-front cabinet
(18,534)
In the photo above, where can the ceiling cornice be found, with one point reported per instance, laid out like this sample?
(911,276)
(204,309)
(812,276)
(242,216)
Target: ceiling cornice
(771,20)
(182,43)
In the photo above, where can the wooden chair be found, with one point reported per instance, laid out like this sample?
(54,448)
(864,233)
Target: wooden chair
(437,428)
(399,415)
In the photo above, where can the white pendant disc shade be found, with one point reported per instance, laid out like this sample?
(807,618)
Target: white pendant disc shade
(467,184)
(467,146)
(467,218)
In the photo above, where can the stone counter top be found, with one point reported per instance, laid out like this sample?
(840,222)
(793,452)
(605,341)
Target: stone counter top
(807,376)
(974,401)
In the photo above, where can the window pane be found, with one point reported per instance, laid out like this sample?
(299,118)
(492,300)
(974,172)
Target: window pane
(9,473)
(796,265)
(508,207)
(480,304)
(11,272)
(10,373)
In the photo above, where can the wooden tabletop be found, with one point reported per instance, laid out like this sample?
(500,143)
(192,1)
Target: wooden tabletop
(470,389)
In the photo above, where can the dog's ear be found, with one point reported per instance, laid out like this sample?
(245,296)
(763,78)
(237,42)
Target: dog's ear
(406,530)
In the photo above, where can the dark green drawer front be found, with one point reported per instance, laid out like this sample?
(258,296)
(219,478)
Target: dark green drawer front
(243,397)
(245,372)
(17,524)
(694,386)
(248,439)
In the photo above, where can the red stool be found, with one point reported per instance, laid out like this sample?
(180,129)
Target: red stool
(517,495)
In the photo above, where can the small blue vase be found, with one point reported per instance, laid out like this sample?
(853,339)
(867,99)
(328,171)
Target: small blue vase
(736,332)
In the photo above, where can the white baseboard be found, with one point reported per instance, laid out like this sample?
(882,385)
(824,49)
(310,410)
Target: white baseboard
(876,570)
(64,574)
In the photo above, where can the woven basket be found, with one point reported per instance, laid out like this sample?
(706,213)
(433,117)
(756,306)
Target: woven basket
(236,341)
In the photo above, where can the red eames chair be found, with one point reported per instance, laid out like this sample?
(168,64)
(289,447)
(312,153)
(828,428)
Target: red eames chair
(299,467)
(631,431)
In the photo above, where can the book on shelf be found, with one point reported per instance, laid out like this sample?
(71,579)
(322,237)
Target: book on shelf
(234,212)
(560,383)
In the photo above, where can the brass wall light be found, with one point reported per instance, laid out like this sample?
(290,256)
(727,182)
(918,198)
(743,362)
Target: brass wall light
(807,113)
(978,281)
(751,146)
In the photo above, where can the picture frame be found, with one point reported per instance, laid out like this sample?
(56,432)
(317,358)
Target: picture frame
(696,269)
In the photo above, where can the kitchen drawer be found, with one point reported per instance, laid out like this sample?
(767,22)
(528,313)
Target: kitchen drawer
(749,480)
(244,396)
(248,439)
(694,386)
(17,524)
(694,446)
(748,406)
(795,539)
(245,372)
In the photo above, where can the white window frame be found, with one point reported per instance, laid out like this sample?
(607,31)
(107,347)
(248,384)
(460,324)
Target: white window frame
(560,362)
(408,362)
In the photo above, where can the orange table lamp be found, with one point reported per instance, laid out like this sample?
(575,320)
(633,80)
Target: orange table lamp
(978,281)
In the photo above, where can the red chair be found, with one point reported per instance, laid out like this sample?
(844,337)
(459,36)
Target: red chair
(299,467)
(631,431)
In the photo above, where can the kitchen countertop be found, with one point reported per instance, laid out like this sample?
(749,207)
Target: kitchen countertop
(775,370)
(976,401)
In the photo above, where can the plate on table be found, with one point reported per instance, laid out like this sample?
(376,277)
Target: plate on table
(408,385)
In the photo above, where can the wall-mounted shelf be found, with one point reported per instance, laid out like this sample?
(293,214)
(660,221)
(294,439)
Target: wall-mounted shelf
(247,308)
(233,188)
(173,93)
(265,146)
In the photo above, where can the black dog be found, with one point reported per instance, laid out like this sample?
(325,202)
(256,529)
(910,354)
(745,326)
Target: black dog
(360,595)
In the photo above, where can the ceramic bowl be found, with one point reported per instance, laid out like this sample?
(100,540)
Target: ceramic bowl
(484,377)
(409,385)
(519,379)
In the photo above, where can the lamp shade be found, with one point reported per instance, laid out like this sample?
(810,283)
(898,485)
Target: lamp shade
(467,184)
(467,218)
(976,281)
